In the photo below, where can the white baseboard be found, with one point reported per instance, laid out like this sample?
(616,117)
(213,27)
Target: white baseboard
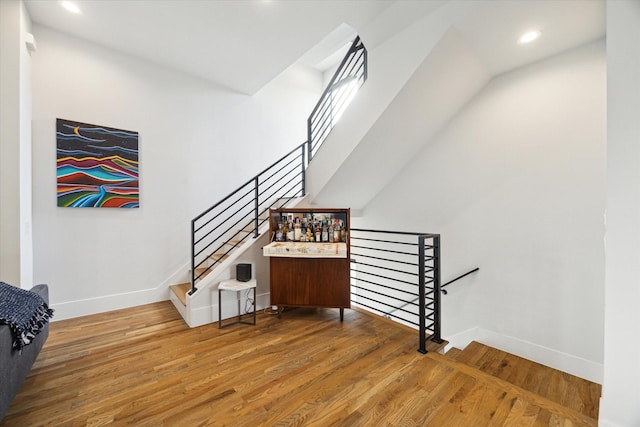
(606,423)
(574,365)
(85,307)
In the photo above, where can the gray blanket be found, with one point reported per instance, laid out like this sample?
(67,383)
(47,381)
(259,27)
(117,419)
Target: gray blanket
(25,312)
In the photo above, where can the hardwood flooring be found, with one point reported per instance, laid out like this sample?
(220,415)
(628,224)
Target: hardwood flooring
(143,366)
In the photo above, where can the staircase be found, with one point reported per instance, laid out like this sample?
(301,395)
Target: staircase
(517,391)
(229,232)
(194,299)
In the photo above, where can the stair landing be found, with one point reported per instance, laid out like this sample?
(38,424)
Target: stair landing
(574,393)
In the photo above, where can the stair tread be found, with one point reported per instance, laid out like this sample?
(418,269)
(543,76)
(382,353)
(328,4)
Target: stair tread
(573,392)
(453,353)
(219,257)
(201,273)
(181,290)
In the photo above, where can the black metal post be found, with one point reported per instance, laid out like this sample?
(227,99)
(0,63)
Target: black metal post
(303,173)
(365,59)
(421,296)
(436,291)
(309,140)
(193,258)
(257,208)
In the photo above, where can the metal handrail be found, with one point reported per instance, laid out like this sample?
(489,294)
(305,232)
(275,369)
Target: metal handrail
(441,289)
(353,68)
(457,278)
(384,290)
(212,230)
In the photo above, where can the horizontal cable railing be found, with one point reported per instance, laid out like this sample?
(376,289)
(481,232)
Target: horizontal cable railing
(348,78)
(397,274)
(216,232)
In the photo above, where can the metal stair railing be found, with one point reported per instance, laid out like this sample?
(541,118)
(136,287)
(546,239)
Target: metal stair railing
(217,231)
(347,79)
(398,270)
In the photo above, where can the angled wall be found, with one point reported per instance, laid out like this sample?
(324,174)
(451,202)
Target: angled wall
(621,388)
(441,85)
(515,185)
(392,63)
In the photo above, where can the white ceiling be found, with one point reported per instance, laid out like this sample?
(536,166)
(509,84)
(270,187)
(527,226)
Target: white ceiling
(241,44)
(494,28)
(244,44)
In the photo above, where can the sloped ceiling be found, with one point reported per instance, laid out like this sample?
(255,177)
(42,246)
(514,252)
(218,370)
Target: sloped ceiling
(240,44)
(444,82)
(480,46)
(493,29)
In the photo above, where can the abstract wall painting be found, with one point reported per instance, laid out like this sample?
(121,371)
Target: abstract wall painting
(97,166)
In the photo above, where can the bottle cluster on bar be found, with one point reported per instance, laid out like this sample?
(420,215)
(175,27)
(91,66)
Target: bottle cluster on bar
(310,228)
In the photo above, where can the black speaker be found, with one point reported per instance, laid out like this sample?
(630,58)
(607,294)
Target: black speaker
(243,272)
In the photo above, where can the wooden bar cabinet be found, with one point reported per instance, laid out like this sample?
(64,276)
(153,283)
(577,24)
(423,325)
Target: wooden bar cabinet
(305,272)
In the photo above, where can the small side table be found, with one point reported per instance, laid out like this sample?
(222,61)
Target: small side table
(237,286)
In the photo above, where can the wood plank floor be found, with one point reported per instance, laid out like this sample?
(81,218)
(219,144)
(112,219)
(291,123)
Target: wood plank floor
(568,390)
(145,367)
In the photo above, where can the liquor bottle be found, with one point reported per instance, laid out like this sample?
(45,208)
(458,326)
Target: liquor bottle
(279,235)
(297,230)
(336,232)
(325,233)
(289,231)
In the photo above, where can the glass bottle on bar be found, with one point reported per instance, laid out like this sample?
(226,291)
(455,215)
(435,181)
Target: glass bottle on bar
(289,231)
(317,231)
(325,231)
(336,232)
(297,230)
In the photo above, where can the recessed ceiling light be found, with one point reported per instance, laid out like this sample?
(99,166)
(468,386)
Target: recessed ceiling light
(528,37)
(70,6)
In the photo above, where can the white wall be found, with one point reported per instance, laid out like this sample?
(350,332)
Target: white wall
(195,140)
(391,64)
(444,82)
(9,148)
(621,388)
(26,205)
(515,185)
(16,248)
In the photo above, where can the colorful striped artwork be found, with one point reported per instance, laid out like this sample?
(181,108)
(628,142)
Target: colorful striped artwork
(97,166)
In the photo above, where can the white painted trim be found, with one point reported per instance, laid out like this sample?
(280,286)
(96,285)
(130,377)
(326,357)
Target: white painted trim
(85,307)
(565,362)
(607,423)
(462,339)
(178,304)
